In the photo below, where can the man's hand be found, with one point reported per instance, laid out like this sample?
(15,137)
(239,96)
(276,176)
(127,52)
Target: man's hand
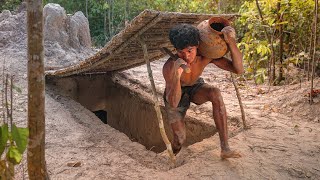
(177,66)
(229,34)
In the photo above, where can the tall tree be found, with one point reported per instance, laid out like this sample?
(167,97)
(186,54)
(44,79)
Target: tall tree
(36,96)
(269,37)
(316,3)
(280,19)
(87,9)
(126,11)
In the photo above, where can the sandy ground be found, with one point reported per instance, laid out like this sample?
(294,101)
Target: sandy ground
(283,142)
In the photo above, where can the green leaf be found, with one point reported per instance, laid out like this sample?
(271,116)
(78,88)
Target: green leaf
(20,136)
(3,137)
(17,89)
(13,155)
(106,6)
(259,49)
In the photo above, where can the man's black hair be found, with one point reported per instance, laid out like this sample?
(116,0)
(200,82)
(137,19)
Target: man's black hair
(184,35)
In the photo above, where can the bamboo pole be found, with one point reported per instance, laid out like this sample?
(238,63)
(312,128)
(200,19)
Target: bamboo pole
(156,103)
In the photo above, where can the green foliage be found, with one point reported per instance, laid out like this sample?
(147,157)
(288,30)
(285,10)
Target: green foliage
(20,137)
(13,155)
(16,88)
(296,22)
(13,139)
(4,135)
(125,10)
(13,143)
(108,17)
(103,28)
(260,75)
(9,4)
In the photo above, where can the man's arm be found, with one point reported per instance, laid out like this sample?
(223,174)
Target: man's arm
(235,65)
(172,72)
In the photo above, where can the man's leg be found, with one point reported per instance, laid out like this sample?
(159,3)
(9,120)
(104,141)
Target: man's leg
(207,93)
(179,135)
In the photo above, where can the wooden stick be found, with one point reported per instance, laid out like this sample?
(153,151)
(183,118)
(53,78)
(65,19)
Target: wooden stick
(240,102)
(156,103)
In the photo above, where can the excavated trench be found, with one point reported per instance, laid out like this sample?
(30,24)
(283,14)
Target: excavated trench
(126,108)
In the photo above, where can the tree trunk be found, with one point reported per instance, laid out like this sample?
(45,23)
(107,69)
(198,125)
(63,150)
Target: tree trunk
(112,19)
(270,41)
(3,91)
(36,96)
(87,10)
(126,13)
(109,19)
(280,16)
(310,50)
(219,6)
(105,26)
(314,47)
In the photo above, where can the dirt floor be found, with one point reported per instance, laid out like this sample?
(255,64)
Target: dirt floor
(283,142)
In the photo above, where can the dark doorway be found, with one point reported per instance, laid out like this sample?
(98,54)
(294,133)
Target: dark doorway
(102,115)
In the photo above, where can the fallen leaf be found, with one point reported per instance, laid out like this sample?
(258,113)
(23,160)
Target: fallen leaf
(76,164)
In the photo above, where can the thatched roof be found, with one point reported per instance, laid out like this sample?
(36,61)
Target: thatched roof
(124,50)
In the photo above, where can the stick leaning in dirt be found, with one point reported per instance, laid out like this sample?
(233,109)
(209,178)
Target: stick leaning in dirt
(156,104)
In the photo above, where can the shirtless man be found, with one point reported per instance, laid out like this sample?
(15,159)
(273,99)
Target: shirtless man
(183,88)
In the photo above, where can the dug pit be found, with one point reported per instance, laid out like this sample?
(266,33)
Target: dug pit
(127,108)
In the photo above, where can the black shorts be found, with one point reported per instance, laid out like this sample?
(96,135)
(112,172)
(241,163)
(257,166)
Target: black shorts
(187,93)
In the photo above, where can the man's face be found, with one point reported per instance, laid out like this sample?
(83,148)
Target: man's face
(188,54)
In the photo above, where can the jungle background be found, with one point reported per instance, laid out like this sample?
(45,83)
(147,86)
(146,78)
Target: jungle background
(273,34)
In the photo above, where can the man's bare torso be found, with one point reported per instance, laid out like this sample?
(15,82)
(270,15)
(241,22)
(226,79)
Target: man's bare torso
(196,67)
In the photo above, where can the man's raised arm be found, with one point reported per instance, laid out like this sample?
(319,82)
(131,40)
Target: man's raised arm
(171,72)
(236,65)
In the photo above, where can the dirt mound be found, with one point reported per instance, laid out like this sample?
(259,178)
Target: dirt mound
(12,29)
(66,37)
(67,30)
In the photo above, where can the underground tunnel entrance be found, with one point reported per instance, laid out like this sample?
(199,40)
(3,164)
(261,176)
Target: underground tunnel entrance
(127,109)
(102,115)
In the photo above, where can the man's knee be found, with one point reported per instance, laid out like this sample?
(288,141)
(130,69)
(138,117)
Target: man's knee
(214,94)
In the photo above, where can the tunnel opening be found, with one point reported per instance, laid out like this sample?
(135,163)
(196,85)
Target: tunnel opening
(102,115)
(126,108)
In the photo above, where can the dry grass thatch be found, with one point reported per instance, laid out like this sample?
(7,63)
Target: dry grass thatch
(124,50)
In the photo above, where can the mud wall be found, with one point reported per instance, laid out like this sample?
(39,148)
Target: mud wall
(128,110)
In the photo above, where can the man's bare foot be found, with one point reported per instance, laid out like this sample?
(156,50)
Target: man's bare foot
(230,154)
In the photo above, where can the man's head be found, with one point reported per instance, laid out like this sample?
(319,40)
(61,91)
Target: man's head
(184,35)
(185,38)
